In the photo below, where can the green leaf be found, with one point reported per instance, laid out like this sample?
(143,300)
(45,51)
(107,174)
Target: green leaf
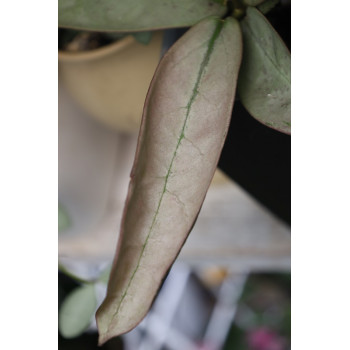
(184,126)
(264,84)
(143,37)
(267,5)
(63,218)
(105,275)
(77,311)
(134,15)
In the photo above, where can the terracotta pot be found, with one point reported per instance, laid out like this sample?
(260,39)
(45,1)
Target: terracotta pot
(111,83)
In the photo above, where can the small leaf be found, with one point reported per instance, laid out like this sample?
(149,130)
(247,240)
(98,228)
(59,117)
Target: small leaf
(63,218)
(134,15)
(77,311)
(267,6)
(143,37)
(184,126)
(264,79)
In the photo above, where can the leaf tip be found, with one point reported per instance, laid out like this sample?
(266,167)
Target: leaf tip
(103,338)
(106,323)
(103,325)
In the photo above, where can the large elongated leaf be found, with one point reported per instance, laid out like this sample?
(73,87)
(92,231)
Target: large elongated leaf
(134,15)
(184,125)
(264,84)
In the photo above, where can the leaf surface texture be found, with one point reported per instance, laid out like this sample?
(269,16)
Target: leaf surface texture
(185,121)
(134,15)
(264,84)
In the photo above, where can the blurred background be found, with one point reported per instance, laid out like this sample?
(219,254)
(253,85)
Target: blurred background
(230,286)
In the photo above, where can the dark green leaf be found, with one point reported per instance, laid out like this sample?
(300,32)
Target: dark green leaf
(267,5)
(264,84)
(134,15)
(143,37)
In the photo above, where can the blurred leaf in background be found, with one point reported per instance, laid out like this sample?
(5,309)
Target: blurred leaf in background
(104,277)
(63,218)
(143,37)
(77,310)
(85,340)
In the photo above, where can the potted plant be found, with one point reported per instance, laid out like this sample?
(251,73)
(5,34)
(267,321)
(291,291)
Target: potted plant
(185,122)
(108,74)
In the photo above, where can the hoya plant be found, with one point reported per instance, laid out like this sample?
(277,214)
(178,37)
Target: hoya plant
(230,51)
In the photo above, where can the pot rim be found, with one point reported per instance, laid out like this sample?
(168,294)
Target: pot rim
(89,55)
